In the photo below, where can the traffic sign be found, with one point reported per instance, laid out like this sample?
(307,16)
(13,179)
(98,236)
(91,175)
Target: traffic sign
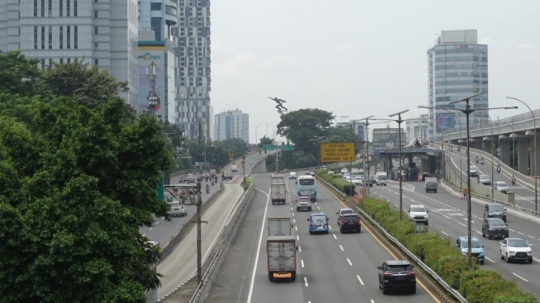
(287,147)
(336,152)
(269,147)
(231,154)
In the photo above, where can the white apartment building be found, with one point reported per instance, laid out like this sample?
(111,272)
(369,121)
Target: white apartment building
(231,124)
(102,32)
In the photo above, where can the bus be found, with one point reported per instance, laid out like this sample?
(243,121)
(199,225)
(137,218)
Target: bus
(306,186)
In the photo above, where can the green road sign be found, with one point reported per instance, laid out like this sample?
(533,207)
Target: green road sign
(269,147)
(287,147)
(160,194)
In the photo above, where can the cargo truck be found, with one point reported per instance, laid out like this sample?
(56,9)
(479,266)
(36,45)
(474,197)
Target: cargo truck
(278,180)
(278,193)
(234,167)
(430,184)
(279,226)
(281,258)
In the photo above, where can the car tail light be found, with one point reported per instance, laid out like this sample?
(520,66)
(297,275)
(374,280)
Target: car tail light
(387,274)
(411,274)
(357,220)
(343,221)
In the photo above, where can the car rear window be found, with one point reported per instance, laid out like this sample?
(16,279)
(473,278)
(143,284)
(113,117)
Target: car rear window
(350,217)
(347,211)
(398,268)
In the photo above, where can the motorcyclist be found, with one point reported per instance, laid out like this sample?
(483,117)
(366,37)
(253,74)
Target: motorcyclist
(513,180)
(498,168)
(476,159)
(482,160)
(207,188)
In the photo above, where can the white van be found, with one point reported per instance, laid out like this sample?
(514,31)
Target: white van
(380,178)
(292,175)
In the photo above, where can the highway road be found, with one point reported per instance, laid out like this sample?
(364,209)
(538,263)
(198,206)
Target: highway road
(162,231)
(524,196)
(331,268)
(448,215)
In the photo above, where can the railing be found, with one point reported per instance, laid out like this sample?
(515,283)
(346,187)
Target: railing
(426,268)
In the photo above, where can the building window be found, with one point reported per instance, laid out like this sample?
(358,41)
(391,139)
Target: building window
(49,11)
(155,6)
(95,14)
(61,60)
(75,8)
(43,37)
(68,2)
(68,37)
(50,63)
(61,37)
(96,45)
(76,37)
(61,8)
(96,62)
(68,60)
(96,30)
(42,8)
(50,37)
(35,37)
(35,8)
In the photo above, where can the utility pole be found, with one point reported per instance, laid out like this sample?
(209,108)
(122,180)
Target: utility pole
(199,233)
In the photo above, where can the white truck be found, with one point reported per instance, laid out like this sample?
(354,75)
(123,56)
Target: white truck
(234,168)
(380,178)
(279,226)
(281,257)
(177,209)
(278,191)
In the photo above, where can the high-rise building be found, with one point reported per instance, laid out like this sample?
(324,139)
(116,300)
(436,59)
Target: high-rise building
(102,33)
(192,51)
(231,124)
(358,128)
(156,19)
(457,68)
(417,128)
(388,138)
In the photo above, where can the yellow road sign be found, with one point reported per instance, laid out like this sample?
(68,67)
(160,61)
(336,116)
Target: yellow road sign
(336,152)
(231,154)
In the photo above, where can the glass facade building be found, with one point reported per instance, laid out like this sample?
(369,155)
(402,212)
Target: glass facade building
(457,68)
(231,124)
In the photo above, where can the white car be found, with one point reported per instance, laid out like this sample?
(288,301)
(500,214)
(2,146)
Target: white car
(177,209)
(357,180)
(485,179)
(501,186)
(418,213)
(303,203)
(516,249)
(474,171)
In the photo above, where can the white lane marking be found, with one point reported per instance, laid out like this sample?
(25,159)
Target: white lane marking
(536,260)
(359,280)
(297,238)
(512,230)
(305,281)
(144,235)
(341,247)
(520,277)
(157,223)
(302,261)
(372,301)
(250,293)
(490,260)
(294,220)
(462,224)
(318,208)
(445,234)
(521,233)
(334,236)
(292,214)
(296,228)
(299,248)
(150,228)
(530,237)
(350,263)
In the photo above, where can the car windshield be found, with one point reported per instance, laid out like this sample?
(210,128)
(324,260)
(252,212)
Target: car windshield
(496,207)
(497,223)
(350,217)
(484,177)
(473,168)
(431,183)
(398,268)
(501,184)
(418,209)
(318,218)
(517,243)
(474,244)
(306,181)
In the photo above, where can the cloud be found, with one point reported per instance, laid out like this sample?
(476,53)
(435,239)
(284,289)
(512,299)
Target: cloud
(283,61)
(343,46)
(524,45)
(235,65)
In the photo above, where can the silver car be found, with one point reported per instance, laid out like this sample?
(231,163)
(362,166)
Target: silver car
(485,179)
(501,186)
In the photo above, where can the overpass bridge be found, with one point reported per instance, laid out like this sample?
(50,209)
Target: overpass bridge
(512,140)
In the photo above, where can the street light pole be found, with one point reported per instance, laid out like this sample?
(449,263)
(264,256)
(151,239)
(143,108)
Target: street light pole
(400,169)
(366,165)
(534,154)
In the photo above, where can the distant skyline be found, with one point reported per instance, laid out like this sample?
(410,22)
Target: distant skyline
(359,58)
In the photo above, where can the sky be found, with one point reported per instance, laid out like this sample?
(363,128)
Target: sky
(357,58)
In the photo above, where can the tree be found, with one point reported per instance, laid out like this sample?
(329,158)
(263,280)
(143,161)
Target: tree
(74,190)
(302,126)
(236,145)
(88,86)
(19,75)
(265,141)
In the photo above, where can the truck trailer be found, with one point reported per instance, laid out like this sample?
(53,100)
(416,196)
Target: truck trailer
(278,193)
(281,258)
(279,226)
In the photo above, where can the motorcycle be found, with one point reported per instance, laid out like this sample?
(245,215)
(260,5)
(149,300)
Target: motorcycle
(482,162)
(513,181)
(476,160)
(498,169)
(207,190)
(212,183)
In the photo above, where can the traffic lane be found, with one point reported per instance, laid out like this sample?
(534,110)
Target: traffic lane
(452,223)
(260,288)
(162,231)
(524,196)
(358,255)
(232,282)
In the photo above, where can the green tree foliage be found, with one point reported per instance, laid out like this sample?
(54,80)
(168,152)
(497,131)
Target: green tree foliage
(88,86)
(75,187)
(265,141)
(236,145)
(19,75)
(302,126)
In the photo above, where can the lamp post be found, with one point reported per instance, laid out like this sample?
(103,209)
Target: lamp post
(534,153)
(366,140)
(153,99)
(467,111)
(399,121)
(492,162)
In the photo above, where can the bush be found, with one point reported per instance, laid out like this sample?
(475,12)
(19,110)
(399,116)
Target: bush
(341,184)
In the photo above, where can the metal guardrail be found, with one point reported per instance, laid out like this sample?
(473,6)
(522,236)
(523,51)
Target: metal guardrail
(430,271)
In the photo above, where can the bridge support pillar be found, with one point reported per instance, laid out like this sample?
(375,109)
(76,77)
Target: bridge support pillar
(506,146)
(523,156)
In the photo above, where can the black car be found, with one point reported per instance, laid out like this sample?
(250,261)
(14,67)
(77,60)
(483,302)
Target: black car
(494,228)
(495,210)
(397,275)
(349,223)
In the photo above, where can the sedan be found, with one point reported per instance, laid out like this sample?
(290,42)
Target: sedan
(485,179)
(501,186)
(516,249)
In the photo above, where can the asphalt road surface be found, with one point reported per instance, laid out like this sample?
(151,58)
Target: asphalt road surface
(448,215)
(331,268)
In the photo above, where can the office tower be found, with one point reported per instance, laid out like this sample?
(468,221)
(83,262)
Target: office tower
(192,51)
(231,124)
(457,68)
(103,33)
(157,92)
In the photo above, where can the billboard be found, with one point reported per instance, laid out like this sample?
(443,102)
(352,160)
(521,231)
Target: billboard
(336,152)
(445,121)
(146,57)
